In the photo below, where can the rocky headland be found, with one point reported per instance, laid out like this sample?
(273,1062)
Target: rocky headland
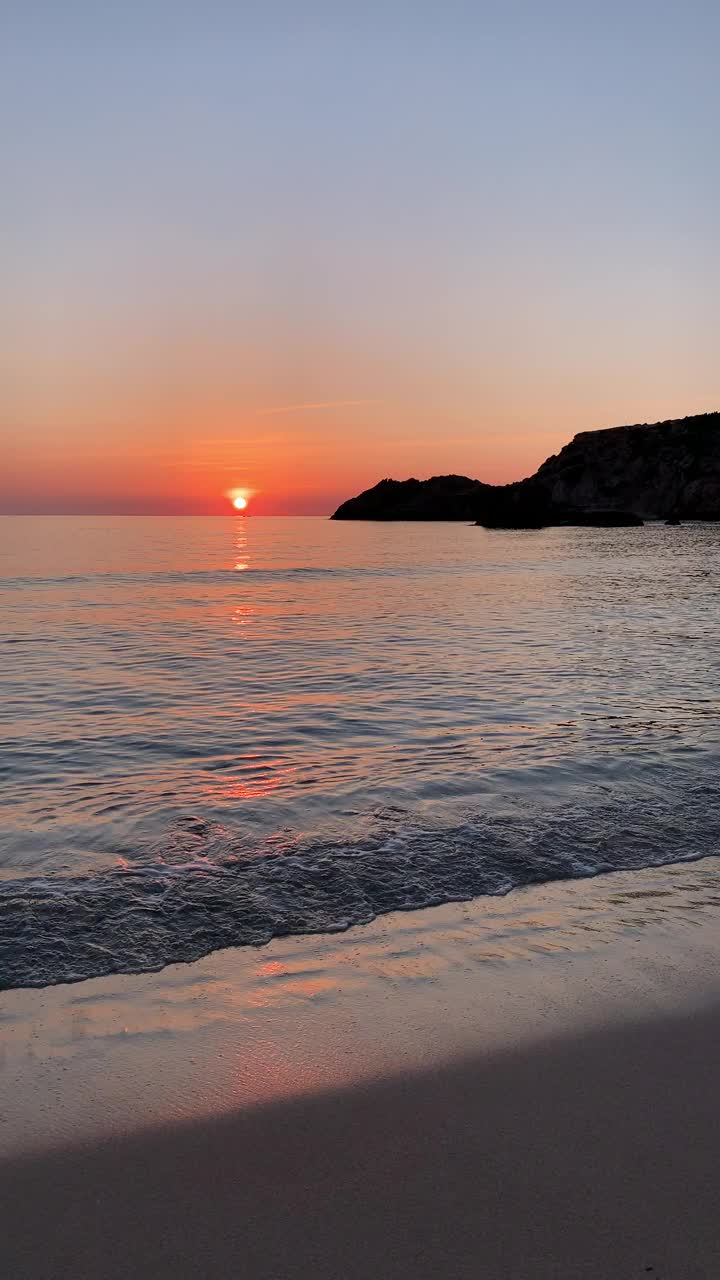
(620,475)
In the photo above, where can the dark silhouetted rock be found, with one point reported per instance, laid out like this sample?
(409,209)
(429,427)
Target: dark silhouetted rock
(667,469)
(441,498)
(605,519)
(621,475)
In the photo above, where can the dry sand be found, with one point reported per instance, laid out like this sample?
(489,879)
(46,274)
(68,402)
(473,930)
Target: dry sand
(596,1158)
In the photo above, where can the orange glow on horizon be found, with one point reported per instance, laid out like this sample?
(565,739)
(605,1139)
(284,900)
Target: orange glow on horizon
(201,462)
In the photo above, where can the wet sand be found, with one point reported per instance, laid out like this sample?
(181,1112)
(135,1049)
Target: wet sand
(520,1088)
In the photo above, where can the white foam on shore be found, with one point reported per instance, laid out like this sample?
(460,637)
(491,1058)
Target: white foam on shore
(245,1026)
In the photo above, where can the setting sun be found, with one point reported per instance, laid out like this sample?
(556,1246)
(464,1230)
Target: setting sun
(240,503)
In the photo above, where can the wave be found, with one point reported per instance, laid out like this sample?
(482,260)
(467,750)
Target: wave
(221,577)
(144,916)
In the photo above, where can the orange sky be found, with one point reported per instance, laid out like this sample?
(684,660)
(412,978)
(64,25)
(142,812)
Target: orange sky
(130,408)
(184,450)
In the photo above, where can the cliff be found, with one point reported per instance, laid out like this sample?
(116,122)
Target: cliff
(618,475)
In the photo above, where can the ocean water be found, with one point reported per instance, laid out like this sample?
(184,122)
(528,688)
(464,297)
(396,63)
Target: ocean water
(217,731)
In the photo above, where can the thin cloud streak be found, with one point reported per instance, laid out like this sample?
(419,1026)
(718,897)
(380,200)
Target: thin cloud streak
(320,404)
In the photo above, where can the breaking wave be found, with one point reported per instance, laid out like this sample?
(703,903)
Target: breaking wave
(144,916)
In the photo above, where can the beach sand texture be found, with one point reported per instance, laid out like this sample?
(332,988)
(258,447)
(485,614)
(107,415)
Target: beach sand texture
(543,1109)
(594,1157)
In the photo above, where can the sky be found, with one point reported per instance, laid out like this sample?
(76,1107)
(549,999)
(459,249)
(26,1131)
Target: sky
(287,249)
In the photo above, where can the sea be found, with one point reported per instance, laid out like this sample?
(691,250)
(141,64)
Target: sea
(216,731)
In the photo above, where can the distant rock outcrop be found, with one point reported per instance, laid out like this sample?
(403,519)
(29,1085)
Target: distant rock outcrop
(621,475)
(441,498)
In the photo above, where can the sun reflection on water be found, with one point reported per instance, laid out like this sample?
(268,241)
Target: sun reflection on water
(240,547)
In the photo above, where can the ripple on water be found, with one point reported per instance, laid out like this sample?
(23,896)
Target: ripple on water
(196,755)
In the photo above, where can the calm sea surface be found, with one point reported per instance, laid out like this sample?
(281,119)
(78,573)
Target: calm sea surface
(215,731)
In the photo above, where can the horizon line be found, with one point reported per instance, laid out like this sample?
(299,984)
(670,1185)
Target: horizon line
(184,515)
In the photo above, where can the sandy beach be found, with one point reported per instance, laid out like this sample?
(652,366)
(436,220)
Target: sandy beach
(593,1157)
(518,1088)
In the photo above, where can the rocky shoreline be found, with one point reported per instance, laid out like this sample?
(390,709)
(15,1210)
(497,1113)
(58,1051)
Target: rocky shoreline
(616,476)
